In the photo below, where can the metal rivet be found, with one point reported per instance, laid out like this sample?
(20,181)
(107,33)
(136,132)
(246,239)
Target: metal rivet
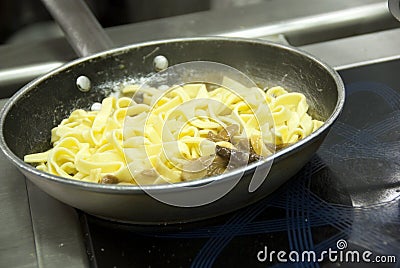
(83,83)
(160,63)
(96,106)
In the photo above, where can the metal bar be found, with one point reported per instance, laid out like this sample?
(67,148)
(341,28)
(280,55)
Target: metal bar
(15,75)
(358,50)
(81,27)
(326,26)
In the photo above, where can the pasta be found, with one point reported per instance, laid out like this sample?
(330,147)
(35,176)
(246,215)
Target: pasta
(151,141)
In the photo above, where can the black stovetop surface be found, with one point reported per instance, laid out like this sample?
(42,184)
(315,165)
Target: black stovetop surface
(348,196)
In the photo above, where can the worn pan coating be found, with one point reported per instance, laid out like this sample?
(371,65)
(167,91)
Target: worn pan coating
(28,117)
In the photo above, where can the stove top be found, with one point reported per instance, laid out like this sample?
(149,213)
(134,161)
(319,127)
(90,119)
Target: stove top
(346,199)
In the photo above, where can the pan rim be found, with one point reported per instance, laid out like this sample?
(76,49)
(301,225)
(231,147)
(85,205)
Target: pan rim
(129,189)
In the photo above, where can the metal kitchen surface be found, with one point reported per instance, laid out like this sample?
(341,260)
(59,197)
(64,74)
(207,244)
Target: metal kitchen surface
(349,191)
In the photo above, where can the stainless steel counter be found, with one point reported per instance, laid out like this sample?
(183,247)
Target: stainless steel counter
(38,231)
(17,244)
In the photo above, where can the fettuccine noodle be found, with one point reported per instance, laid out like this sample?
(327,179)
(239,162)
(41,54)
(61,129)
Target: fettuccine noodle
(126,142)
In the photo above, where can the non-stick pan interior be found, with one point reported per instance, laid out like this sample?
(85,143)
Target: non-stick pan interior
(43,104)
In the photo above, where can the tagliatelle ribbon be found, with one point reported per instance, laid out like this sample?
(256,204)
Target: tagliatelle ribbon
(125,138)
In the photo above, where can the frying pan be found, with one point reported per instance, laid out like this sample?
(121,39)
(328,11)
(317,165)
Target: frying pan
(28,116)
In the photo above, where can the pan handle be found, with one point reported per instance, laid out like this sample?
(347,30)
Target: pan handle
(394,7)
(83,31)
